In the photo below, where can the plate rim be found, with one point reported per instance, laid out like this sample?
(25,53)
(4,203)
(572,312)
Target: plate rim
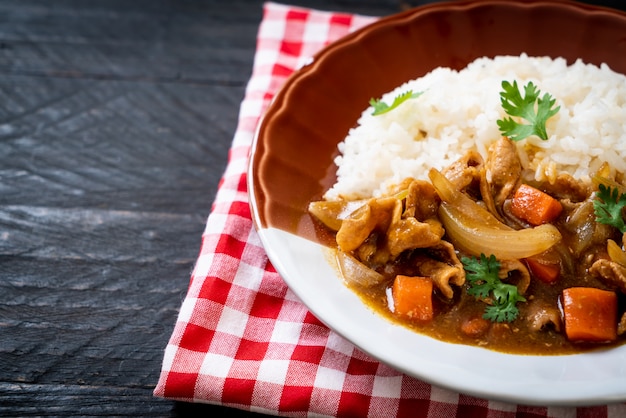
(267,234)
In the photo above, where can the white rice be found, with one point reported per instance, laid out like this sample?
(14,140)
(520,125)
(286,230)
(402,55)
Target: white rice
(458,111)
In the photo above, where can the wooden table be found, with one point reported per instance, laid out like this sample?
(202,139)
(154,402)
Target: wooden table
(115,126)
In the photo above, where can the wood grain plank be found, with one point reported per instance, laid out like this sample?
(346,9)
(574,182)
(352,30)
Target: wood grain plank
(75,400)
(184,41)
(105,184)
(81,401)
(101,323)
(89,144)
(164,41)
(115,236)
(115,123)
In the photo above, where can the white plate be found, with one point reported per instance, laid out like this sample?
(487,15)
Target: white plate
(308,115)
(582,379)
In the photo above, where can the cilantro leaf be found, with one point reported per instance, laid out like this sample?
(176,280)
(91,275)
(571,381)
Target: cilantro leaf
(608,207)
(381,107)
(524,107)
(501,313)
(482,275)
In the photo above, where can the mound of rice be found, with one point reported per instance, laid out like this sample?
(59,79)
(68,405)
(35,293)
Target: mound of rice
(458,111)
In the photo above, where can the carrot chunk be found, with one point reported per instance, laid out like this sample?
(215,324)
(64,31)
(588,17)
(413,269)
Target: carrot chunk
(475,327)
(534,206)
(412,297)
(590,314)
(546,272)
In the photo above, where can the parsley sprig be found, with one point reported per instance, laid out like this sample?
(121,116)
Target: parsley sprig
(381,107)
(608,207)
(482,274)
(524,107)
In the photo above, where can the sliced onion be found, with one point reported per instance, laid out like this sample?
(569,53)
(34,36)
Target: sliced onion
(463,203)
(332,213)
(598,179)
(616,253)
(355,272)
(474,230)
(582,222)
(473,237)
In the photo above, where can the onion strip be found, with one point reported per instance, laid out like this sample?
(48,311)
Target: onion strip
(473,237)
(471,210)
(616,254)
(332,213)
(597,180)
(474,230)
(355,272)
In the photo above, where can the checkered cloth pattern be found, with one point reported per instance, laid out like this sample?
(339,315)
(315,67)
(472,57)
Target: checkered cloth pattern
(242,338)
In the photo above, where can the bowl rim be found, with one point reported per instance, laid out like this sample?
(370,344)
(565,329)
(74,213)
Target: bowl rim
(279,102)
(257,197)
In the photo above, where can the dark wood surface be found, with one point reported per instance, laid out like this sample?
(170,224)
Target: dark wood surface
(115,121)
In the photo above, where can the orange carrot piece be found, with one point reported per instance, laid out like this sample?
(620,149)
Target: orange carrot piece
(590,314)
(546,272)
(475,327)
(412,297)
(534,206)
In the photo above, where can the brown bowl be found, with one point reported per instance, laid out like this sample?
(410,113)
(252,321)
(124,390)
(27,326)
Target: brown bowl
(297,140)
(292,165)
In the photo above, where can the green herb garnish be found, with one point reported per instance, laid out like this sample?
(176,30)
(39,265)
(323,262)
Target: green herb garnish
(381,107)
(524,107)
(482,275)
(608,207)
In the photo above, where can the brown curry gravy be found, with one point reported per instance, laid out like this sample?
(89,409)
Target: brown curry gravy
(512,338)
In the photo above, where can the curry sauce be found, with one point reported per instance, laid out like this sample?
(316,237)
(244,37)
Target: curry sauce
(406,233)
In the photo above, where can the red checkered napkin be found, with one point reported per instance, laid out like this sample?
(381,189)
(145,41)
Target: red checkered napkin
(242,338)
